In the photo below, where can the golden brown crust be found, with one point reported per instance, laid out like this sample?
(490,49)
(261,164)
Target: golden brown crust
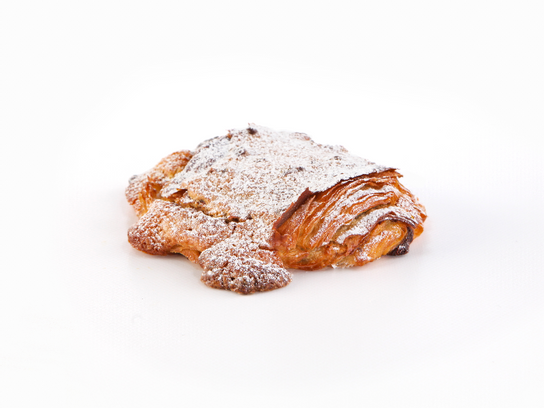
(169,228)
(309,237)
(250,204)
(145,188)
(243,267)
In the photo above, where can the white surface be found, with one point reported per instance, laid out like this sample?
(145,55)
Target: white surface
(450,94)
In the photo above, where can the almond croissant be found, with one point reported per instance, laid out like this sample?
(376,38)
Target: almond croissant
(250,204)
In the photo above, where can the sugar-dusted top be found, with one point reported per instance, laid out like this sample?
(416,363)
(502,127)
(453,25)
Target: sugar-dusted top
(259,172)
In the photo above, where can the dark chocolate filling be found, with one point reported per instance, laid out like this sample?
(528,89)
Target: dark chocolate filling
(404,246)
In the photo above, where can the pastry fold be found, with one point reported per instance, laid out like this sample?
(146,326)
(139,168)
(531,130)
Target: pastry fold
(352,223)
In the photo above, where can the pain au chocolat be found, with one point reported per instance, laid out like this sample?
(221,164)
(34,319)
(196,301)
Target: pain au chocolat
(249,205)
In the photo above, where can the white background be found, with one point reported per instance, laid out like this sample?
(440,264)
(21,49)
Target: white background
(451,93)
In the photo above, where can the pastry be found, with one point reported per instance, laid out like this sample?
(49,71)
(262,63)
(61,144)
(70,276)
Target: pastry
(249,205)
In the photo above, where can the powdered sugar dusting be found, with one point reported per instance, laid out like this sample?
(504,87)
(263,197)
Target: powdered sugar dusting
(256,171)
(367,221)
